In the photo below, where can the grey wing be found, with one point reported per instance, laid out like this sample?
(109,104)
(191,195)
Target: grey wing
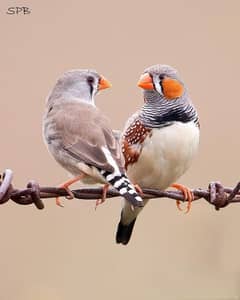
(84,132)
(117,134)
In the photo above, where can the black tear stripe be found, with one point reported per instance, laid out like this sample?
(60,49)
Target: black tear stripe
(91,89)
(90,81)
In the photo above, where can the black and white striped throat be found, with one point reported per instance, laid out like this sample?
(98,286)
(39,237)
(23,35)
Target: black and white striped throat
(157,115)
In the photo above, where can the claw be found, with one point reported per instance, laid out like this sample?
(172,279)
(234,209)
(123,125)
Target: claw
(188,196)
(58,202)
(104,195)
(65,186)
(178,203)
(138,189)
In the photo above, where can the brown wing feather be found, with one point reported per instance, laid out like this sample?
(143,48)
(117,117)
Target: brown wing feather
(82,130)
(132,141)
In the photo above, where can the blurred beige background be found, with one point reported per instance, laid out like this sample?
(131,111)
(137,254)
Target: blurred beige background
(70,253)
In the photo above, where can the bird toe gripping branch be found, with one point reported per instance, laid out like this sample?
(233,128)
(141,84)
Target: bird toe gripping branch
(216,194)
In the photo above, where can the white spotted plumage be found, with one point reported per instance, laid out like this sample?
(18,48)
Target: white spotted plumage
(159,141)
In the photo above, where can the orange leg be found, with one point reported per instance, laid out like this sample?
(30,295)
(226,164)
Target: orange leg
(65,186)
(104,194)
(138,189)
(188,195)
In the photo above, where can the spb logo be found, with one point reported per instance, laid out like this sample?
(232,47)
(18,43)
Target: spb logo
(17,10)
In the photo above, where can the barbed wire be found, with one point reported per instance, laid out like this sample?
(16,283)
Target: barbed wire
(216,194)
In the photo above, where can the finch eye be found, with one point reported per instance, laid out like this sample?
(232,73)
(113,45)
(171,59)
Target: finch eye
(90,80)
(161,77)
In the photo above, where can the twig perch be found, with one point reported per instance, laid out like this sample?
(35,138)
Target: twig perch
(216,194)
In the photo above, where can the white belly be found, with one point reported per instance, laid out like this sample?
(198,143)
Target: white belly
(166,155)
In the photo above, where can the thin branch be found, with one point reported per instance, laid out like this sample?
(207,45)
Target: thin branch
(216,194)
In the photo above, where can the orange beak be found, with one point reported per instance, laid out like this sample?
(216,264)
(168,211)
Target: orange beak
(103,84)
(145,82)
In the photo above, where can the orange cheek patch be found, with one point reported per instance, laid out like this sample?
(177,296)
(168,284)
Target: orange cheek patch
(172,88)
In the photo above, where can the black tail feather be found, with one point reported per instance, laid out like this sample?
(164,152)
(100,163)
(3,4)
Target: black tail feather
(124,232)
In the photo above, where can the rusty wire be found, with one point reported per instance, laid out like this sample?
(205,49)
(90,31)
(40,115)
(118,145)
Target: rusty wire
(216,194)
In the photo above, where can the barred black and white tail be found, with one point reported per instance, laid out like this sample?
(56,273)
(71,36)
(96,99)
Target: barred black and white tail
(121,183)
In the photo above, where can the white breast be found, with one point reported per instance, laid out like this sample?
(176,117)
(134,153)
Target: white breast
(165,156)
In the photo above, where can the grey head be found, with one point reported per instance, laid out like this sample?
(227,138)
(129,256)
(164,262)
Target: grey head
(166,98)
(79,84)
(162,81)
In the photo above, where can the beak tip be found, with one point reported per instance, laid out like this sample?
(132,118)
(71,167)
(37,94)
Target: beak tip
(145,82)
(104,84)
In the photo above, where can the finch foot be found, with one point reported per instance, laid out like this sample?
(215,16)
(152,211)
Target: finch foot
(65,186)
(138,189)
(104,194)
(188,196)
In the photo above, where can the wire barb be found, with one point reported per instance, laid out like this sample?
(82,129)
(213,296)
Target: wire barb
(216,194)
